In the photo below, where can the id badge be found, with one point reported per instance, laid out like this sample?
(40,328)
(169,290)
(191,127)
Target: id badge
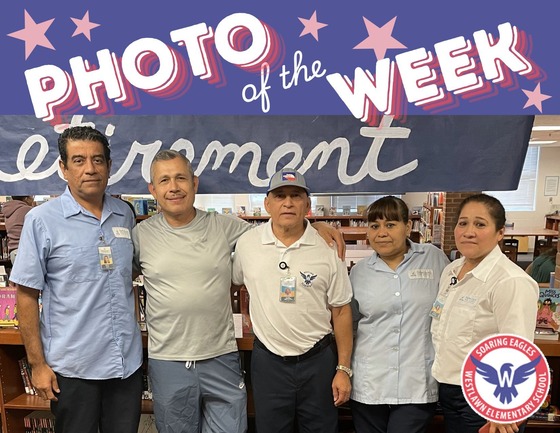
(288,289)
(436,308)
(106,258)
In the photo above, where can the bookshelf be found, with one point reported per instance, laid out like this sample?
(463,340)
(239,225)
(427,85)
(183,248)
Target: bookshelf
(431,219)
(353,227)
(334,220)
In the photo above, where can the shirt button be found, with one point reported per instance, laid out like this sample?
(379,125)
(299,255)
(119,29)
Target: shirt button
(395,276)
(396,330)
(397,293)
(395,348)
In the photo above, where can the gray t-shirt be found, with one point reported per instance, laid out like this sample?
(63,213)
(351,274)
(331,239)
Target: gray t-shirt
(187,276)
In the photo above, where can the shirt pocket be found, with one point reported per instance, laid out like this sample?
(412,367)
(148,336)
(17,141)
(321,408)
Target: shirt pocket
(84,264)
(122,250)
(461,325)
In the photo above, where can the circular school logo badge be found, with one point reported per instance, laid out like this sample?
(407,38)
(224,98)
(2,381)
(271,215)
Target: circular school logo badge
(505,378)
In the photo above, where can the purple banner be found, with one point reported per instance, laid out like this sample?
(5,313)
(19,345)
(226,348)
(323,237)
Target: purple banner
(360,58)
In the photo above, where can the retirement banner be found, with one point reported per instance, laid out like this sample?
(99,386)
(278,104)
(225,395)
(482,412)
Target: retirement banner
(238,154)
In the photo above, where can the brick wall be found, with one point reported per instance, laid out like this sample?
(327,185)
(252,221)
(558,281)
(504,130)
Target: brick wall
(451,202)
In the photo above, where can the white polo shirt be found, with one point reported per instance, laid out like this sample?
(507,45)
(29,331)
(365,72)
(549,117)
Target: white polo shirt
(289,329)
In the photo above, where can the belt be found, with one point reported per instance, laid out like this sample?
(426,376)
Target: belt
(323,343)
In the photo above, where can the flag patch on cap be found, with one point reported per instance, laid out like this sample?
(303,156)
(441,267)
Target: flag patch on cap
(289,176)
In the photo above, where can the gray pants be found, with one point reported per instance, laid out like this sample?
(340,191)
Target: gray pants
(199,396)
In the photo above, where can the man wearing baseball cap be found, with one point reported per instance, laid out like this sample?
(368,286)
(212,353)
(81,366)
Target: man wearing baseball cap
(298,286)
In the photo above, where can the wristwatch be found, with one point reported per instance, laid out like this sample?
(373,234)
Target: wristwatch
(347,370)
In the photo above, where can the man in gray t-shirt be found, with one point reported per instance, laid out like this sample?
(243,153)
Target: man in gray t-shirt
(185,256)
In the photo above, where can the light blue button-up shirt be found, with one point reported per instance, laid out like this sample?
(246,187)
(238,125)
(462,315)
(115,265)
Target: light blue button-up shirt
(88,324)
(393,351)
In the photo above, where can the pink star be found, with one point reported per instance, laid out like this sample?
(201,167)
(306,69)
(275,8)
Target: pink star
(311,26)
(379,39)
(84,26)
(535,97)
(33,34)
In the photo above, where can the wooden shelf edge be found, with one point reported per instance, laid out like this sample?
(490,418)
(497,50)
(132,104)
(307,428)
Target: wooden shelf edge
(33,402)
(27,402)
(10,336)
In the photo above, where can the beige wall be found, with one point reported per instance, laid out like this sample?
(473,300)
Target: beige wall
(549,165)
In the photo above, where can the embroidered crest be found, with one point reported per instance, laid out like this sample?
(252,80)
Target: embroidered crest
(308,278)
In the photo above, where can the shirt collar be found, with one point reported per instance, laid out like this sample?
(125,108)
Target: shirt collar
(482,270)
(71,207)
(308,237)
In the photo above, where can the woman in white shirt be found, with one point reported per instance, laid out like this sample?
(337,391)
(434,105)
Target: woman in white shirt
(481,294)
(393,389)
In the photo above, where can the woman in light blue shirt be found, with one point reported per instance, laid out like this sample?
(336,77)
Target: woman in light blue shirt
(394,290)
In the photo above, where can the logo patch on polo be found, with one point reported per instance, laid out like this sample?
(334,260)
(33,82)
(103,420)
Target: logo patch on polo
(308,278)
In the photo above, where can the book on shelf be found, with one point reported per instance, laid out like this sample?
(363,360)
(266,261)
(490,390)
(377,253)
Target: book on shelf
(246,324)
(548,313)
(546,334)
(140,206)
(146,387)
(39,421)
(140,304)
(25,371)
(8,307)
(4,253)
(549,414)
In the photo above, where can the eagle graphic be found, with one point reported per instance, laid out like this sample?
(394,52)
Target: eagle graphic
(308,278)
(506,379)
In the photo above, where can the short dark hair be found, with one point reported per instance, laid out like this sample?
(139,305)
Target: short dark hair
(167,155)
(389,208)
(492,204)
(76,133)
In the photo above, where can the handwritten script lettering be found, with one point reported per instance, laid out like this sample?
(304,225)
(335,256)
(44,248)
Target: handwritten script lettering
(216,154)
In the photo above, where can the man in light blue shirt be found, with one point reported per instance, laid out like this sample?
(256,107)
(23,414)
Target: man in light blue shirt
(85,348)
